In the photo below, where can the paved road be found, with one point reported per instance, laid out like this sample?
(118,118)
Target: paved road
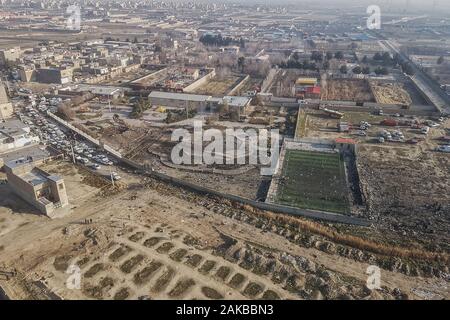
(421,80)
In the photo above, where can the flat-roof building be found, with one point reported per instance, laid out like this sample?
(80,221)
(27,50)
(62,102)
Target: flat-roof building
(179,100)
(196,101)
(9,55)
(44,191)
(15,134)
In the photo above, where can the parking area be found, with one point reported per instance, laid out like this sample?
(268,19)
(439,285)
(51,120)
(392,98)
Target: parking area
(73,146)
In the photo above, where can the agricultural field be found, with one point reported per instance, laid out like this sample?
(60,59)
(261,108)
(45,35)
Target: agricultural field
(314,180)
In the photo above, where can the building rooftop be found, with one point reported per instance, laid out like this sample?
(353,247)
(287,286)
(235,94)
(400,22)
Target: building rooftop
(308,81)
(234,101)
(12,126)
(19,162)
(178,96)
(34,177)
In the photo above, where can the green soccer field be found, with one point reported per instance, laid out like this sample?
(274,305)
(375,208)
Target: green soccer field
(313,180)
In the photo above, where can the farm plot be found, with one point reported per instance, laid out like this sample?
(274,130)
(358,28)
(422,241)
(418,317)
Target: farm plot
(313,180)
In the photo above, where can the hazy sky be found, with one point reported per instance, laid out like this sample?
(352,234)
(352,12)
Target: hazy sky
(410,6)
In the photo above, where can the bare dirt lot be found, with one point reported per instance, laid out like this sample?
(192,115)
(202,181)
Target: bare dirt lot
(408,191)
(390,93)
(347,90)
(219,86)
(154,241)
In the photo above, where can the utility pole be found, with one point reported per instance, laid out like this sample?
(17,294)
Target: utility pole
(111,176)
(73,154)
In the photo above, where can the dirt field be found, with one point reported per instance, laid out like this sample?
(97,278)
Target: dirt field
(153,147)
(406,186)
(408,190)
(154,241)
(347,90)
(390,93)
(218,86)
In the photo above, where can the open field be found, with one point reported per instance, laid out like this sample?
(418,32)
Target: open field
(314,180)
(347,90)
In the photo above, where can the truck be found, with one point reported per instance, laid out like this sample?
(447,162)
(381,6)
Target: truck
(333,113)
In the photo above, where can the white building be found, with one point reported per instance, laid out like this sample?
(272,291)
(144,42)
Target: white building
(14,135)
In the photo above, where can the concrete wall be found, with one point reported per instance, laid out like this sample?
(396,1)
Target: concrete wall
(200,82)
(238,86)
(85,135)
(324,216)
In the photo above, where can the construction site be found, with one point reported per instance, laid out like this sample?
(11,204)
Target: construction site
(132,247)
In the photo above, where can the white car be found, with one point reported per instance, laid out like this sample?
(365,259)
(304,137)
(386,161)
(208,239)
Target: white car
(361,133)
(115,176)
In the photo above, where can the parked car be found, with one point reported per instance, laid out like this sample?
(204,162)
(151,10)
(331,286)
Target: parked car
(361,133)
(95,166)
(115,176)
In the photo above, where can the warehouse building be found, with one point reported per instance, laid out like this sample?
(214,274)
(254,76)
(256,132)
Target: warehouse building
(181,100)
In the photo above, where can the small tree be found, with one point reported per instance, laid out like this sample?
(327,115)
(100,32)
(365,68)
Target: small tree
(343,69)
(241,63)
(357,70)
(377,56)
(366,70)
